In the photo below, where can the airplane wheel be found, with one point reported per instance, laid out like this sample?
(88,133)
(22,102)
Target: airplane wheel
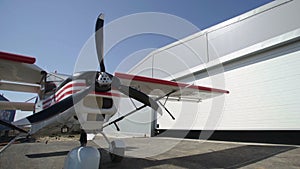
(117,151)
(83,157)
(115,158)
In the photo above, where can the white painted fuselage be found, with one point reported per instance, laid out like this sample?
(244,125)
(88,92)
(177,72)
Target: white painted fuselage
(89,114)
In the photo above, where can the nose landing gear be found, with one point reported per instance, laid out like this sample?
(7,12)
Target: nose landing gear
(84,156)
(83,138)
(90,157)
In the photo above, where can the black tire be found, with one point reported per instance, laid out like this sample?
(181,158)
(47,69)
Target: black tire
(115,158)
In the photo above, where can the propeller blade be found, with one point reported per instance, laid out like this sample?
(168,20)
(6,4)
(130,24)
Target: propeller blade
(139,96)
(135,94)
(99,40)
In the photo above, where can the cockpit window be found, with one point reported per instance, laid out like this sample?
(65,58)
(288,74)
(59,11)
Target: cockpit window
(50,83)
(50,87)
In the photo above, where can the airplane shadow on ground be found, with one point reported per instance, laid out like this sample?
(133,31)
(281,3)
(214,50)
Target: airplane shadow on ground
(64,153)
(50,154)
(228,158)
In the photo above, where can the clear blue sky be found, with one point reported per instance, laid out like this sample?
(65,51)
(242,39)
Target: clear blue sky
(55,31)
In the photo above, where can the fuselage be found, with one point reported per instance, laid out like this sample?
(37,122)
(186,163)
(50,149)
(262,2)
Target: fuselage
(90,113)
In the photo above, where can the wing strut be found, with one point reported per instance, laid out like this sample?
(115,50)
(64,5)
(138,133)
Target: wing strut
(163,105)
(137,109)
(133,103)
(117,127)
(7,124)
(20,135)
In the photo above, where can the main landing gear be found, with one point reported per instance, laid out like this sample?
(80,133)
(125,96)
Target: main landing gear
(83,138)
(116,149)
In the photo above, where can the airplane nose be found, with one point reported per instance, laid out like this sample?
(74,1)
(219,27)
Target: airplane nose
(104,79)
(103,82)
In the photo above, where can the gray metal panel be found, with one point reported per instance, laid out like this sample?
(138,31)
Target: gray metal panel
(144,68)
(263,96)
(180,57)
(236,34)
(254,29)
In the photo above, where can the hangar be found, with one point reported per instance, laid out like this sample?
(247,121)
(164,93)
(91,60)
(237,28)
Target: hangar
(255,56)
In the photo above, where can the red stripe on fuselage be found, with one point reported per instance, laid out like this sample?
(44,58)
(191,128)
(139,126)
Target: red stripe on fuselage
(48,100)
(96,93)
(69,86)
(107,94)
(65,94)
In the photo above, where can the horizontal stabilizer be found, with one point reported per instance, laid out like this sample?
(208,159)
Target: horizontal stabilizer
(19,87)
(5,105)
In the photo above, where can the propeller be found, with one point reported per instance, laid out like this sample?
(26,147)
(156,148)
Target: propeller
(114,81)
(135,94)
(99,41)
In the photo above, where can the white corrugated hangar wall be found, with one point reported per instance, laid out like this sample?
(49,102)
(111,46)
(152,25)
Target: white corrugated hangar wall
(259,53)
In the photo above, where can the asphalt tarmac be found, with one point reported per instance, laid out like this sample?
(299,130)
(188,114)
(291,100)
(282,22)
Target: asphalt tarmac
(150,153)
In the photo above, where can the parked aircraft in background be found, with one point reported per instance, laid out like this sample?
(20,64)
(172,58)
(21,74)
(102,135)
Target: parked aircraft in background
(6,115)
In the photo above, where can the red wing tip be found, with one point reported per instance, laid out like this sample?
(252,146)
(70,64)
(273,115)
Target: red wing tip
(17,58)
(226,92)
(220,91)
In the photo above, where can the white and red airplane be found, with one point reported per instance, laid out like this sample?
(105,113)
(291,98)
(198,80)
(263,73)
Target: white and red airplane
(86,100)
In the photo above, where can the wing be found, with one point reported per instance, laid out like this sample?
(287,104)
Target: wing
(179,91)
(18,73)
